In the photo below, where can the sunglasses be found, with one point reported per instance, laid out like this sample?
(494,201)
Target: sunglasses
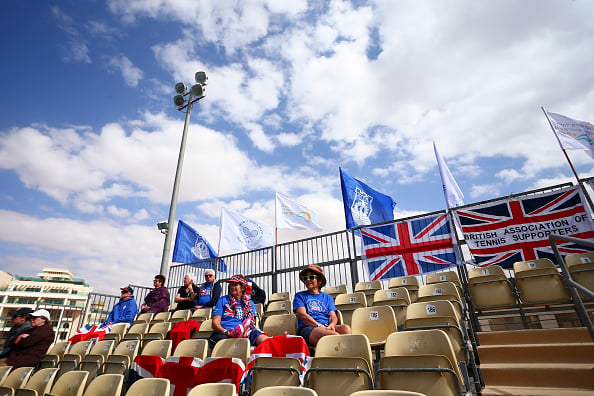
(208,276)
(308,277)
(156,280)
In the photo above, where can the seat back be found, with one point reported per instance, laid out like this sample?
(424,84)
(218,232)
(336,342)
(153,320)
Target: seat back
(398,299)
(144,317)
(375,322)
(4,371)
(161,348)
(233,348)
(149,387)
(280,324)
(42,381)
(368,288)
(539,282)
(345,345)
(279,305)
(280,296)
(158,330)
(285,391)
(347,303)
(119,361)
(204,331)
(71,383)
(117,331)
(490,287)
(441,291)
(136,331)
(103,348)
(213,389)
(197,348)
(409,282)
(161,317)
(445,276)
(581,267)
(105,385)
(275,371)
(335,290)
(17,377)
(386,392)
(202,314)
(180,316)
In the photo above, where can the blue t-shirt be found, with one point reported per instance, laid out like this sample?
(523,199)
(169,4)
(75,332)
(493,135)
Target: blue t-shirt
(229,317)
(205,293)
(318,306)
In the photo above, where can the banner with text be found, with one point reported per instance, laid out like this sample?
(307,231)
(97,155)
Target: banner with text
(517,229)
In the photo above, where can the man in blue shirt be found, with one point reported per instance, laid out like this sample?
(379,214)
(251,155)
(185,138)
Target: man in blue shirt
(209,292)
(125,310)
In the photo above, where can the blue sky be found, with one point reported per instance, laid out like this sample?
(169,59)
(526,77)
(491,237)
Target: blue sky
(89,135)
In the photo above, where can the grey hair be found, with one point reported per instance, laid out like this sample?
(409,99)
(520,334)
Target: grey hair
(191,276)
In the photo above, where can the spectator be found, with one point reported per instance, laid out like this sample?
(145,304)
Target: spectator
(30,347)
(234,315)
(257,294)
(158,299)
(20,324)
(124,310)
(209,292)
(316,313)
(186,294)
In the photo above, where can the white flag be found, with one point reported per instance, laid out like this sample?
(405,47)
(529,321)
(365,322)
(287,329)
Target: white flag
(290,214)
(572,134)
(453,194)
(242,233)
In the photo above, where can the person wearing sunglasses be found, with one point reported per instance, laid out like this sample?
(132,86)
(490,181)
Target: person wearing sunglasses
(315,310)
(158,299)
(187,293)
(209,292)
(124,310)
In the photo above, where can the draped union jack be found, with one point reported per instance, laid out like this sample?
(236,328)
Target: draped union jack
(411,247)
(509,230)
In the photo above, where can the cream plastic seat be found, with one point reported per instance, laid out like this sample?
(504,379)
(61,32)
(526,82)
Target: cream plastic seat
(204,331)
(490,288)
(197,348)
(277,308)
(540,283)
(4,371)
(39,383)
(117,332)
(410,282)
(442,291)
(71,383)
(136,331)
(368,288)
(53,355)
(342,365)
(180,316)
(233,348)
(106,385)
(157,331)
(386,392)
(347,303)
(213,389)
(149,387)
(275,371)
(119,361)
(280,296)
(161,317)
(15,379)
(398,299)
(93,361)
(335,290)
(285,391)
(581,268)
(445,276)
(280,324)
(429,352)
(144,317)
(201,314)
(75,355)
(161,348)
(377,323)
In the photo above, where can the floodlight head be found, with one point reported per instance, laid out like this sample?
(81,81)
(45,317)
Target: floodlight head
(179,100)
(197,90)
(180,88)
(201,77)
(162,225)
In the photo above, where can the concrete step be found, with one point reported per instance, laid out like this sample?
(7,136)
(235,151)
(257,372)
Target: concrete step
(533,391)
(535,336)
(547,375)
(537,353)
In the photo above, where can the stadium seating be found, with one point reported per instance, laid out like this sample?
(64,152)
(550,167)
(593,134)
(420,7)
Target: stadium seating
(143,317)
(15,379)
(420,361)
(38,384)
(444,276)
(119,361)
(442,291)
(117,331)
(161,317)
(233,348)
(201,314)
(149,387)
(377,323)
(581,268)
(280,324)
(386,392)
(490,288)
(71,383)
(105,385)
(335,290)
(279,307)
(136,331)
(274,371)
(75,355)
(180,316)
(368,288)
(4,371)
(280,296)
(161,348)
(157,331)
(53,355)
(213,389)
(286,391)
(398,299)
(204,331)
(93,361)
(347,303)
(409,282)
(194,348)
(342,365)
(540,283)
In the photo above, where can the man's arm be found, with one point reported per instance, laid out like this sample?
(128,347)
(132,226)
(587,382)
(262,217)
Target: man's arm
(214,295)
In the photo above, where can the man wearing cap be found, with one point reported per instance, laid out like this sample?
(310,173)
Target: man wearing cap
(209,292)
(20,324)
(124,310)
(316,312)
(30,347)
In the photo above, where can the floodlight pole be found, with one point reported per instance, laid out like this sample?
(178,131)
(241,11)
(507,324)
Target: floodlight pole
(173,206)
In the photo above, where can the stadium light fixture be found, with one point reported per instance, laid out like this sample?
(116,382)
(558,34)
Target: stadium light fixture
(183,100)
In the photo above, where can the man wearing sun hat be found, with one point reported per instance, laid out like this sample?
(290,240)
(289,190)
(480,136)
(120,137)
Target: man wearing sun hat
(316,312)
(124,310)
(29,347)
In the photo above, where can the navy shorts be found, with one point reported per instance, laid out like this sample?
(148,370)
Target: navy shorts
(305,332)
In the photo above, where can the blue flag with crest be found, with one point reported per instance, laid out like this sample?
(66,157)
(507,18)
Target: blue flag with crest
(362,204)
(192,248)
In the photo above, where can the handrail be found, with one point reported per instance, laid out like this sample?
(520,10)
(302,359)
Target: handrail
(577,299)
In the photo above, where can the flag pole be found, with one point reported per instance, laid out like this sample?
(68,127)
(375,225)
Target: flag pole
(219,244)
(586,195)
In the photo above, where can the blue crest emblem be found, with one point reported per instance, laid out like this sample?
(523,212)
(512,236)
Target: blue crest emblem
(361,207)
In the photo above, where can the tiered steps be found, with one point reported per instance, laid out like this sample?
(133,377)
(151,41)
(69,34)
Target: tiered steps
(537,362)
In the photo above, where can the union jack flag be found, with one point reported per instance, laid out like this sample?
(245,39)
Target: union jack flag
(90,333)
(411,247)
(510,230)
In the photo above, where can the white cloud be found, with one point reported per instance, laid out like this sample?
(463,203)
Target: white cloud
(130,73)
(75,47)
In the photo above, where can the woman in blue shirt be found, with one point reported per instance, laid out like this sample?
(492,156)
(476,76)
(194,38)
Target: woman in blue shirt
(316,313)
